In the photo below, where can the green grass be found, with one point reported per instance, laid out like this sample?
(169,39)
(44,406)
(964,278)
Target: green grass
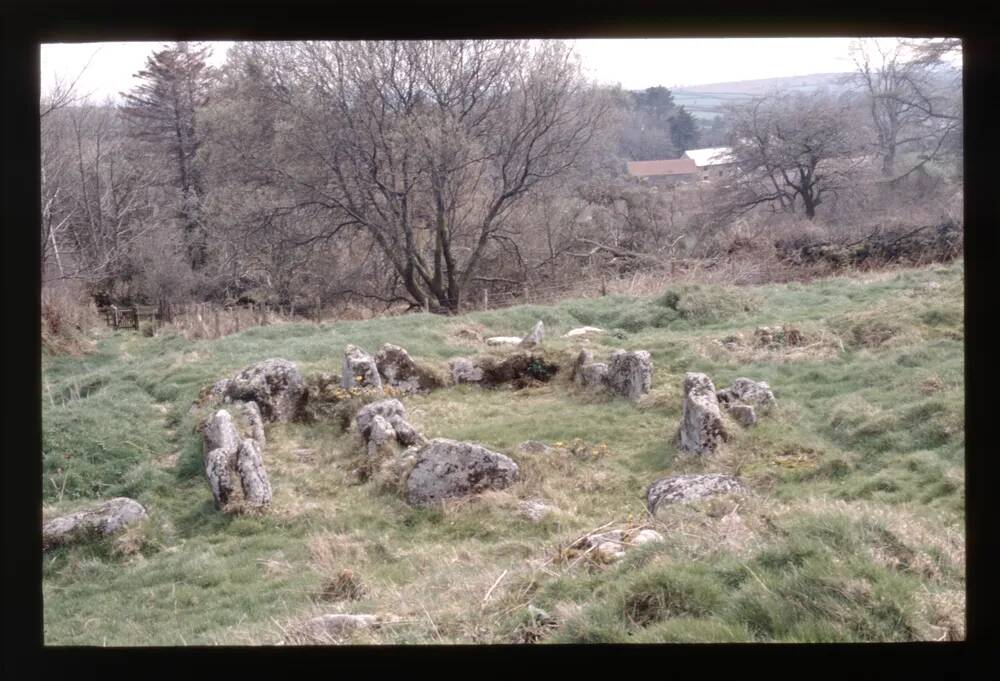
(855,532)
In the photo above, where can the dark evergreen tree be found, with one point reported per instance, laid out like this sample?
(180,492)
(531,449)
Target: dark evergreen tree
(162,111)
(683,130)
(657,103)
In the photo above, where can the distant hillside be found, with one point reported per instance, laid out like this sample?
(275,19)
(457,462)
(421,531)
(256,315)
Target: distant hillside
(707,101)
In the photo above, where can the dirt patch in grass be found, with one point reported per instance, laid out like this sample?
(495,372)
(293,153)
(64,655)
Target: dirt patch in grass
(465,335)
(784,343)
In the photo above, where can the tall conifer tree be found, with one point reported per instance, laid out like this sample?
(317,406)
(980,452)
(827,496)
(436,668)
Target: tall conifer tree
(162,110)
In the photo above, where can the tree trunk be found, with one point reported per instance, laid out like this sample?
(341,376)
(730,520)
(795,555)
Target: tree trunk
(810,205)
(889,163)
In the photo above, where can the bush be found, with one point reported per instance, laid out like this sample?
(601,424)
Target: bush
(68,315)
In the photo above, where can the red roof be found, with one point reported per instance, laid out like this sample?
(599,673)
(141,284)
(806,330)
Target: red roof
(672,166)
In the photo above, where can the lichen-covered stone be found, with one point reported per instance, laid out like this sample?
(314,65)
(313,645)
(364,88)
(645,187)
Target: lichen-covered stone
(392,411)
(630,373)
(534,510)
(746,391)
(583,331)
(219,465)
(535,337)
(397,368)
(593,375)
(275,385)
(232,456)
(587,373)
(777,336)
(359,370)
(504,340)
(701,421)
(381,437)
(329,628)
(253,478)
(106,519)
(446,469)
(645,536)
(684,488)
(219,432)
(464,370)
(603,547)
(534,447)
(609,551)
(252,422)
(744,414)
(612,545)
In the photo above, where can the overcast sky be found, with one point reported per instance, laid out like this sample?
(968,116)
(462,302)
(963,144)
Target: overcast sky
(635,63)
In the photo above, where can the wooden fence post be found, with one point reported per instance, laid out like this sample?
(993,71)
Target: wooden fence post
(218,325)
(486,299)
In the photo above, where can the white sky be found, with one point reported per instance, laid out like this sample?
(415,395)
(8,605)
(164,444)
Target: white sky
(645,62)
(635,63)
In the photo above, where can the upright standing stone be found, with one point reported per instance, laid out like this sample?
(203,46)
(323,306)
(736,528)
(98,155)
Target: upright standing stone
(219,432)
(253,477)
(230,457)
(360,370)
(253,422)
(630,374)
(535,337)
(398,369)
(701,421)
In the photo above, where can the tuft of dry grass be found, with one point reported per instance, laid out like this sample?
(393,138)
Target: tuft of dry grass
(331,552)
(466,335)
(346,585)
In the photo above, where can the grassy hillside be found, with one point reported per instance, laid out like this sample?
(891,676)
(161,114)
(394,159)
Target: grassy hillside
(708,101)
(855,531)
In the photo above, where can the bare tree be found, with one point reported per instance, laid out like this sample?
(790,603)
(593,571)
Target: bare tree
(792,151)
(427,147)
(914,96)
(57,211)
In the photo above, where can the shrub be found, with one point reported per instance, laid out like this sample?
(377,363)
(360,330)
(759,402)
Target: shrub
(67,316)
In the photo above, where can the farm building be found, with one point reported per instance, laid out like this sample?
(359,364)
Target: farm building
(667,172)
(712,162)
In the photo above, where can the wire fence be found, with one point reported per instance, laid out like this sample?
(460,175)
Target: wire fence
(212,320)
